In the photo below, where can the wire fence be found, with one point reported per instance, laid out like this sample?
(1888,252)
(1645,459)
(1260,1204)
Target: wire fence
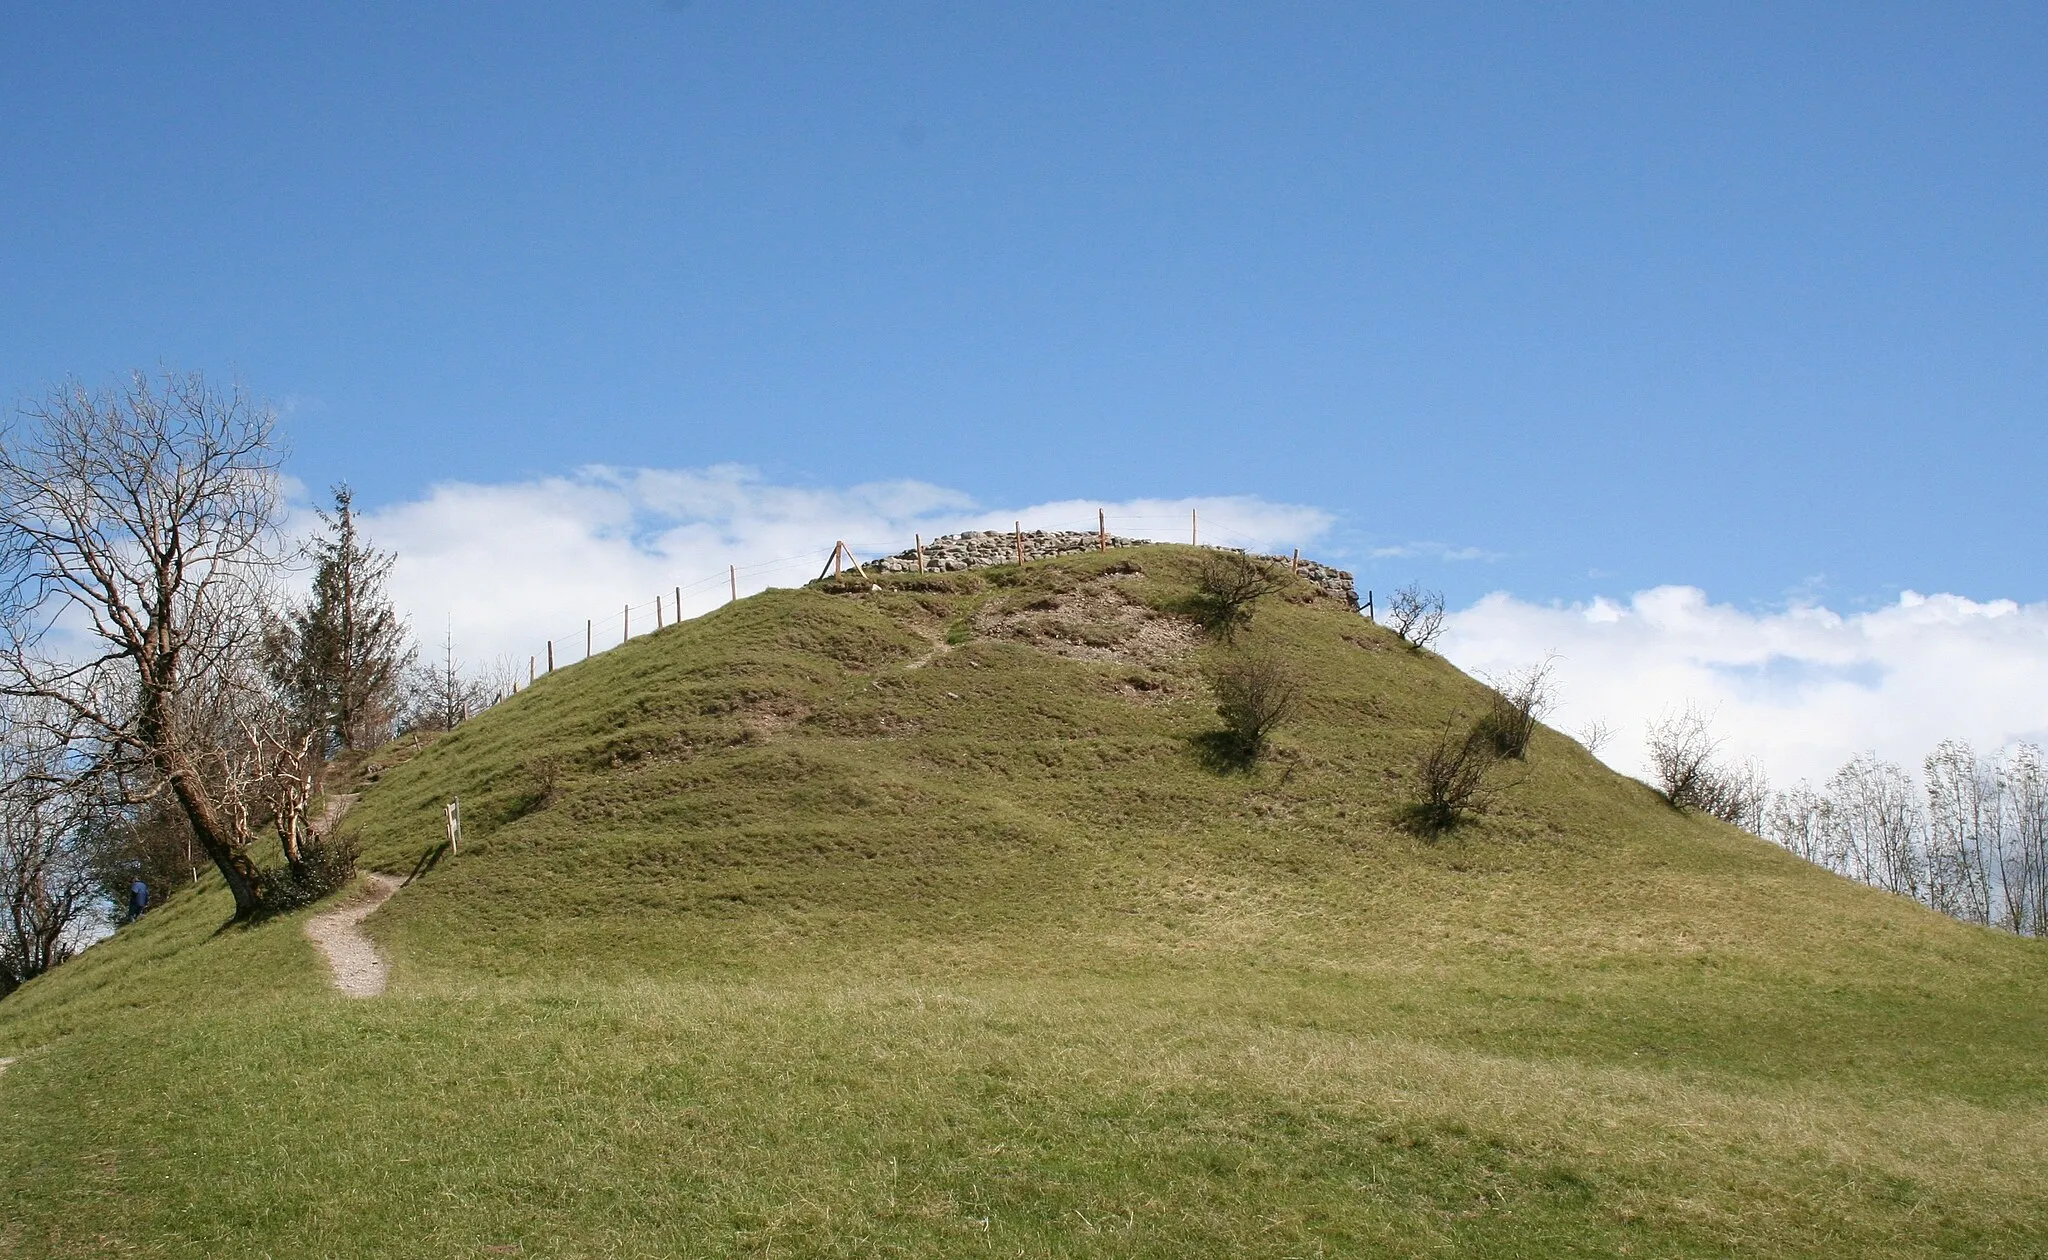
(601,633)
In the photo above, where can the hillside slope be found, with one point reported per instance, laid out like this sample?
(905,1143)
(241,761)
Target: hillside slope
(919,921)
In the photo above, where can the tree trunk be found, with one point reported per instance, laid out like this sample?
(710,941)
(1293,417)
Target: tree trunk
(243,877)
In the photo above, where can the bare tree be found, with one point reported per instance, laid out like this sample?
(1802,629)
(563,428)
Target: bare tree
(1797,819)
(1974,846)
(441,695)
(1228,588)
(49,897)
(1417,615)
(1874,826)
(1595,734)
(1520,699)
(1965,856)
(2023,810)
(136,524)
(1255,693)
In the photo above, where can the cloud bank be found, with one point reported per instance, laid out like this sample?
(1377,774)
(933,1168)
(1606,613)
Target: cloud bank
(508,567)
(1801,690)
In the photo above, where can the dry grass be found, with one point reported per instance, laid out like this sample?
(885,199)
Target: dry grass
(965,952)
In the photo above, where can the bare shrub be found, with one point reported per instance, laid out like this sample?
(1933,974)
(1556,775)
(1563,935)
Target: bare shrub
(1595,734)
(1229,586)
(1683,755)
(1255,692)
(1682,748)
(1417,615)
(1520,699)
(1452,775)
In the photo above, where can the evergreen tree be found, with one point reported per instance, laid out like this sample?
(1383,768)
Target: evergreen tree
(342,656)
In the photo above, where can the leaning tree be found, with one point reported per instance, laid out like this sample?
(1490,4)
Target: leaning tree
(138,524)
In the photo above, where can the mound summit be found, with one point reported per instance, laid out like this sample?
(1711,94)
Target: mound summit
(915,921)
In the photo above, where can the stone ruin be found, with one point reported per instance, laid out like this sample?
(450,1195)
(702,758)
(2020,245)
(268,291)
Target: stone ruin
(985,548)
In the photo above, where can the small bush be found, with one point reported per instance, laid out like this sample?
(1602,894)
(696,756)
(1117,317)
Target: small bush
(1229,586)
(1682,751)
(1452,776)
(1417,615)
(1255,693)
(326,865)
(1520,698)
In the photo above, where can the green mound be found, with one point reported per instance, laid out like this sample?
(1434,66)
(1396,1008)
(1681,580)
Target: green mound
(923,921)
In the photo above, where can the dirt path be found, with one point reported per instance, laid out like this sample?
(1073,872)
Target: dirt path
(359,970)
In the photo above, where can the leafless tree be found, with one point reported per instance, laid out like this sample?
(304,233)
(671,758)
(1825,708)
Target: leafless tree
(1255,693)
(2023,811)
(1417,615)
(1229,586)
(51,898)
(1875,824)
(136,526)
(1594,735)
(1971,841)
(1797,819)
(1965,855)
(441,695)
(1520,699)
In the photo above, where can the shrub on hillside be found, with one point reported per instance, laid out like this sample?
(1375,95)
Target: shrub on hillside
(1255,693)
(1228,587)
(1683,750)
(1452,775)
(1417,615)
(1520,698)
(326,865)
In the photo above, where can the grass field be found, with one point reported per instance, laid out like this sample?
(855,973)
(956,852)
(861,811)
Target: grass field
(920,922)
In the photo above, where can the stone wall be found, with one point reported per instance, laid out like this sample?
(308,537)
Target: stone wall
(980,549)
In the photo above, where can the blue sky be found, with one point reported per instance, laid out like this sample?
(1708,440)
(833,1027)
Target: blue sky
(1696,342)
(1745,296)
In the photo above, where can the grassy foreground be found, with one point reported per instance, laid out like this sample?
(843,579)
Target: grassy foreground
(920,923)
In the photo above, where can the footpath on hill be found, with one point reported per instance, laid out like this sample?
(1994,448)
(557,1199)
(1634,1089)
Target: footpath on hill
(359,970)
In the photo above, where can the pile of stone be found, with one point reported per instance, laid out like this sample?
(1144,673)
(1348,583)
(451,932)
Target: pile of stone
(983,548)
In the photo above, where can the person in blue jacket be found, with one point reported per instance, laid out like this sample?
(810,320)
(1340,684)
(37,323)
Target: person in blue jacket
(138,899)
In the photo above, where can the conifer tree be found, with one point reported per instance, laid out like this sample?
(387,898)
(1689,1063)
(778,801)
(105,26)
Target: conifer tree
(344,653)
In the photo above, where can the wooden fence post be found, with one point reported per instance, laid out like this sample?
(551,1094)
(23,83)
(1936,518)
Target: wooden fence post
(1297,562)
(1194,529)
(551,656)
(920,551)
(1368,606)
(837,548)
(657,611)
(1019,527)
(1101,531)
(455,826)
(530,674)
(586,638)
(626,624)
(732,577)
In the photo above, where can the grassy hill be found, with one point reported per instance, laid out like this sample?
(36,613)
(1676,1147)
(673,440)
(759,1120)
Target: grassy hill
(918,922)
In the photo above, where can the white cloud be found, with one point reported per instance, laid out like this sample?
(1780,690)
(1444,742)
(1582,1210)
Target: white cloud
(1801,690)
(511,566)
